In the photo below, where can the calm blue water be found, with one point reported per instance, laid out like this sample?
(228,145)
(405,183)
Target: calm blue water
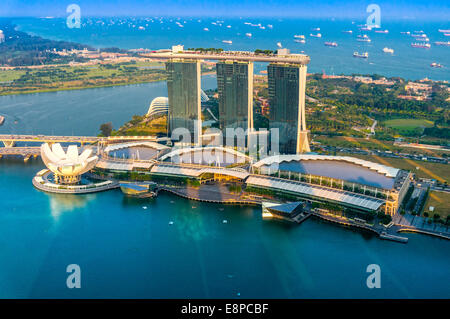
(80,112)
(407,62)
(130,252)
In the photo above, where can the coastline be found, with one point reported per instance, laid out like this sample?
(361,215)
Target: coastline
(90,87)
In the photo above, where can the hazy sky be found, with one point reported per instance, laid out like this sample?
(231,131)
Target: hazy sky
(403,9)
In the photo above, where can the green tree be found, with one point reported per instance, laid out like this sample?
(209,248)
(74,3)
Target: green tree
(106,129)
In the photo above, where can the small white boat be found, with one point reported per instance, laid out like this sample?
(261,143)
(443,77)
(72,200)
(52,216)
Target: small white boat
(2,120)
(248,35)
(227,41)
(388,50)
(279,45)
(318,35)
(300,40)
(171,223)
(299,36)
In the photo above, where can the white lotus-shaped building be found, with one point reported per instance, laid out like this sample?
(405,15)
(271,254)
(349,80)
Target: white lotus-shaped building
(67,167)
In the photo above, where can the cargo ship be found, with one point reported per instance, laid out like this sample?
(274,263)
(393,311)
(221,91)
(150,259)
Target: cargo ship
(364,55)
(436,65)
(139,189)
(447,44)
(331,44)
(2,120)
(364,40)
(421,45)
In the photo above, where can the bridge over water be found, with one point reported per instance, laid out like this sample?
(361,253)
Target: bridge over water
(10,140)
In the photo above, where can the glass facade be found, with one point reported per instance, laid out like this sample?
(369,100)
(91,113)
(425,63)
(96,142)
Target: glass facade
(286,90)
(183,84)
(235,88)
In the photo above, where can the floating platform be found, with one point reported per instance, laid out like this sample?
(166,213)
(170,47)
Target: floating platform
(139,189)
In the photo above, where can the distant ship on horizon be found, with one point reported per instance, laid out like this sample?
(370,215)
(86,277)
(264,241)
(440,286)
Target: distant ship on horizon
(363,38)
(447,44)
(364,55)
(331,44)
(436,65)
(421,45)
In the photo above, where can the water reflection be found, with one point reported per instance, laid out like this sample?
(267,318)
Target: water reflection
(64,203)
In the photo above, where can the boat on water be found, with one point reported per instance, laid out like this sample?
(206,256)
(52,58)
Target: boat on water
(347,31)
(436,65)
(365,39)
(444,31)
(388,50)
(318,35)
(405,32)
(139,189)
(364,55)
(316,29)
(301,36)
(2,120)
(382,31)
(447,44)
(447,34)
(422,45)
(248,34)
(331,44)
(420,35)
(300,40)
(227,41)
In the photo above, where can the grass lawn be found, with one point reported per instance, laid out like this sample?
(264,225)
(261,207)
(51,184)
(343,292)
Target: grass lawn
(407,124)
(441,203)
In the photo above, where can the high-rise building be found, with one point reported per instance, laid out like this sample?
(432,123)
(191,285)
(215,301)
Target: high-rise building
(235,88)
(287,106)
(184,89)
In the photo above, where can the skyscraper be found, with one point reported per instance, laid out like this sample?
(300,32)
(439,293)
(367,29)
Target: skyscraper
(287,106)
(235,88)
(184,87)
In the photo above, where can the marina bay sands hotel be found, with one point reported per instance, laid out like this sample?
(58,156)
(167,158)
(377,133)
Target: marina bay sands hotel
(286,90)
